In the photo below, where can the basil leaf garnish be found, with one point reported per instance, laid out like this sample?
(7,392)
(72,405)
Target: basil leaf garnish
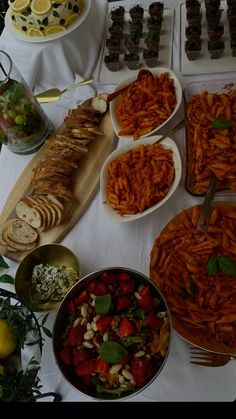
(212,265)
(221,123)
(7,279)
(3,264)
(227,266)
(102,304)
(112,351)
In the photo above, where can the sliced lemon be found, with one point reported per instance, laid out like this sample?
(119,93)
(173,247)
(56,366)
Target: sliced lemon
(20,5)
(34,32)
(53,29)
(71,18)
(41,7)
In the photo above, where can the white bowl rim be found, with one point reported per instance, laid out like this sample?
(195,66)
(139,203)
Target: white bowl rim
(156,71)
(167,143)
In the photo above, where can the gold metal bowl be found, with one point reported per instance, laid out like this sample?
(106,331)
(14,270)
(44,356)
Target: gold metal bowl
(52,254)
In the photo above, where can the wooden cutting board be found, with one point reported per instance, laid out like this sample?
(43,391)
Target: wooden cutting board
(86,181)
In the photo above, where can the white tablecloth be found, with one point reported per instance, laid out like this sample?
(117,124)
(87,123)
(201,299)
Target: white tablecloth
(99,242)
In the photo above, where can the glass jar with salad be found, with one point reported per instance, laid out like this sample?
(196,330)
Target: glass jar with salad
(23,124)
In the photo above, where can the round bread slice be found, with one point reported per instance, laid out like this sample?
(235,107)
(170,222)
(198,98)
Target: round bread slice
(26,212)
(2,241)
(21,232)
(17,246)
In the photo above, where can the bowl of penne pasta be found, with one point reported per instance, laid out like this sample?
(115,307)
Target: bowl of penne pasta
(198,281)
(139,177)
(145,103)
(112,334)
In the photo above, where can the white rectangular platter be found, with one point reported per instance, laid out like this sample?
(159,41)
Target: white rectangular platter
(204,64)
(105,76)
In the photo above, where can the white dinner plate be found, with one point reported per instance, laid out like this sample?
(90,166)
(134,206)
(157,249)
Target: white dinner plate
(22,37)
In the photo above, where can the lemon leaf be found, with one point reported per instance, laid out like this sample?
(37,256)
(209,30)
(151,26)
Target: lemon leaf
(3,264)
(7,279)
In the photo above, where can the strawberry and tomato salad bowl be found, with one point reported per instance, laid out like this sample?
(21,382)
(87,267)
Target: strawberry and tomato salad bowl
(112,333)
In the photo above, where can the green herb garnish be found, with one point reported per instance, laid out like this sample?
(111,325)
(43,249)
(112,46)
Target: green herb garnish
(112,351)
(221,123)
(221,263)
(103,304)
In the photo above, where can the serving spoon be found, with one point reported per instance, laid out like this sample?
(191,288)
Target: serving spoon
(52,95)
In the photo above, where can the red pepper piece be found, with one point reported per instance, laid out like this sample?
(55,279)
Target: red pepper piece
(146,300)
(126,328)
(102,323)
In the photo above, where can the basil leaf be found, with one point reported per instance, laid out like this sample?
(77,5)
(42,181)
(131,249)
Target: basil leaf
(212,265)
(3,264)
(221,123)
(7,279)
(112,351)
(102,304)
(227,266)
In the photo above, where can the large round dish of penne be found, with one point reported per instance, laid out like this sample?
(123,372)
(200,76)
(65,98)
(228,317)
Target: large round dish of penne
(196,273)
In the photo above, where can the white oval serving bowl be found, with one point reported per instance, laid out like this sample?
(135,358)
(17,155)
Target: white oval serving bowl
(167,143)
(131,79)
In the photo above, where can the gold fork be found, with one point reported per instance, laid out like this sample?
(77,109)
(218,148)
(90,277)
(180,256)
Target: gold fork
(208,359)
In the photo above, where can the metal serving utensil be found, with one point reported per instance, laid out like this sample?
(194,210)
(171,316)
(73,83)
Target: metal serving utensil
(52,95)
(208,359)
(205,215)
(171,131)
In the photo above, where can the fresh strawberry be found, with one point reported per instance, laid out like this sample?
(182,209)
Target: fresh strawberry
(123,302)
(126,328)
(86,367)
(153,321)
(101,289)
(90,288)
(108,278)
(102,323)
(101,366)
(66,355)
(146,300)
(80,355)
(70,308)
(124,276)
(126,287)
(81,298)
(76,335)
(142,369)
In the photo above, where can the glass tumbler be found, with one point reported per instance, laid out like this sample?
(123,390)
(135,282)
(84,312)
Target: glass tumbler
(23,124)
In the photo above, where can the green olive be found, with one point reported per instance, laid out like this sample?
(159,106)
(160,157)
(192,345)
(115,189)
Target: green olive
(12,114)
(19,119)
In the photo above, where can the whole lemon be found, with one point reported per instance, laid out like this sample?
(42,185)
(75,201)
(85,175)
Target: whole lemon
(7,341)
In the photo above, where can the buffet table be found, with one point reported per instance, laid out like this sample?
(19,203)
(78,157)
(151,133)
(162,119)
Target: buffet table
(96,240)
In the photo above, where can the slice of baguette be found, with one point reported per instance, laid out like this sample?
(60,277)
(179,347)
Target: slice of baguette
(21,232)
(29,213)
(16,245)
